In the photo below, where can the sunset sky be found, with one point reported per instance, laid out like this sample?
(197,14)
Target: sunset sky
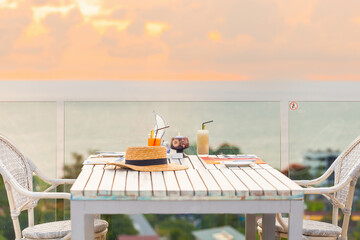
(180,40)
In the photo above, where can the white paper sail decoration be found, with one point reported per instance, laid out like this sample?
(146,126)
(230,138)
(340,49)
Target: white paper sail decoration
(159,123)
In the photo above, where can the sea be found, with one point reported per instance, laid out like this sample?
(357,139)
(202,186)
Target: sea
(254,127)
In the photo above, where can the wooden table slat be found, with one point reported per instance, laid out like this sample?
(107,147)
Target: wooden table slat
(185,161)
(159,188)
(255,166)
(266,166)
(208,166)
(295,189)
(99,166)
(186,188)
(197,183)
(118,188)
(78,187)
(240,188)
(106,183)
(145,184)
(254,188)
(196,162)
(220,166)
(201,179)
(91,188)
(132,184)
(210,183)
(88,166)
(282,190)
(269,190)
(171,183)
(226,187)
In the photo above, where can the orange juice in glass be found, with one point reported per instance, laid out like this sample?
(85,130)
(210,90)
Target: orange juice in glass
(154,141)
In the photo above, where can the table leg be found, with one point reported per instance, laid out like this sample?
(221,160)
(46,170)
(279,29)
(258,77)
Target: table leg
(296,219)
(250,226)
(268,226)
(82,225)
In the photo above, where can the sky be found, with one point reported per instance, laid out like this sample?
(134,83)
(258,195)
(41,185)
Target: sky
(232,40)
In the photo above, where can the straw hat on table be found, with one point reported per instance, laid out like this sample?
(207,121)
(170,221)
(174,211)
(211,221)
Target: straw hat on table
(148,159)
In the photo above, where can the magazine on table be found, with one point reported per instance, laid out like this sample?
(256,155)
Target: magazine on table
(104,158)
(233,160)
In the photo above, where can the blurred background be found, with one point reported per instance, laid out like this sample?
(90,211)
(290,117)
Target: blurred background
(78,76)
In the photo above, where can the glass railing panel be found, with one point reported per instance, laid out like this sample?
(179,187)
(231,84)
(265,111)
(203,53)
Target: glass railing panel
(250,127)
(253,127)
(318,133)
(31,126)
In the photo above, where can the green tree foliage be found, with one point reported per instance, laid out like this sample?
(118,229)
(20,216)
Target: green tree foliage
(355,233)
(6,225)
(73,170)
(119,225)
(176,229)
(181,226)
(224,148)
(216,220)
(315,206)
(171,226)
(300,174)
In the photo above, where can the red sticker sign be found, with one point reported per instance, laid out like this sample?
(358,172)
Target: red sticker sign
(293,105)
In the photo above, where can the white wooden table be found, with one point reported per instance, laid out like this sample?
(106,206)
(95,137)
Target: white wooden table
(202,189)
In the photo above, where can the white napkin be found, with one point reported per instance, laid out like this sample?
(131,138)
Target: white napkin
(105,157)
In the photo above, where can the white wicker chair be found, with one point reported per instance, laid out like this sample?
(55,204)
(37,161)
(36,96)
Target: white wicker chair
(346,169)
(17,172)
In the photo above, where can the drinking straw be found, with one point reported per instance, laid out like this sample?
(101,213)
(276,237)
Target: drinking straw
(157,132)
(203,124)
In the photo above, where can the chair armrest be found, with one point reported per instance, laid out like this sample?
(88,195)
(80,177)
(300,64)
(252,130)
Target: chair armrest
(53,180)
(38,195)
(308,182)
(326,190)
(49,195)
(316,180)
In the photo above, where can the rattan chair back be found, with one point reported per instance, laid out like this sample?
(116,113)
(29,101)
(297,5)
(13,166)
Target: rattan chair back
(14,165)
(345,163)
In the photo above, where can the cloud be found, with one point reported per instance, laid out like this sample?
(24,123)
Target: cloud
(214,36)
(156,28)
(42,12)
(356,20)
(13,22)
(39,45)
(102,25)
(8,4)
(136,27)
(90,8)
(123,45)
(180,39)
(296,12)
